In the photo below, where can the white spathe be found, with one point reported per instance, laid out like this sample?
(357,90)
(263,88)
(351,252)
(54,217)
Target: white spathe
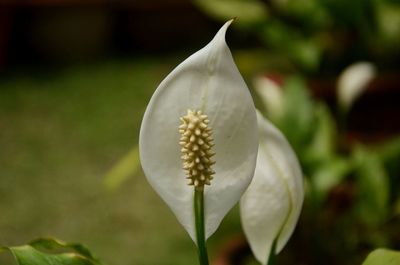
(353,81)
(208,81)
(271,206)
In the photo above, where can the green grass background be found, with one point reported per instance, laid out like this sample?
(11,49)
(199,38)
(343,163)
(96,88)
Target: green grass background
(61,130)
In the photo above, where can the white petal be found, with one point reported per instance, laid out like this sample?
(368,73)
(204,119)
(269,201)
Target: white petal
(208,81)
(353,81)
(271,205)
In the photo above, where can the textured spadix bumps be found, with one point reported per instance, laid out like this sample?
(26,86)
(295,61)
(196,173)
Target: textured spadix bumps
(196,142)
(271,205)
(208,81)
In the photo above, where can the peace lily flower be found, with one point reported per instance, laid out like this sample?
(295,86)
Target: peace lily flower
(271,205)
(271,95)
(199,134)
(353,81)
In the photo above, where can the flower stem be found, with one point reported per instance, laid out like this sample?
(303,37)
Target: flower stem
(199,221)
(272,255)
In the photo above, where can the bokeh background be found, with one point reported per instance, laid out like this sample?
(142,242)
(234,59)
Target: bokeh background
(76,76)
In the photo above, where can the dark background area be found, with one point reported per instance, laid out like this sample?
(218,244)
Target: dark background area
(56,32)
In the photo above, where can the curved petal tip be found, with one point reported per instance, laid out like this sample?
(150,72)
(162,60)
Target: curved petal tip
(222,31)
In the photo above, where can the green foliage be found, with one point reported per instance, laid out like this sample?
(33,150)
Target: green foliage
(389,154)
(328,174)
(352,194)
(323,143)
(282,39)
(383,257)
(298,113)
(54,252)
(373,186)
(315,33)
(388,24)
(311,130)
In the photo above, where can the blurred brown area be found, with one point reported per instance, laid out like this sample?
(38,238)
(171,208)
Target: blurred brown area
(36,31)
(373,116)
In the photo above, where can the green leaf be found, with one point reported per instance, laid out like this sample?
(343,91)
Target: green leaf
(306,53)
(373,186)
(56,253)
(388,23)
(328,175)
(125,167)
(389,153)
(297,122)
(300,49)
(54,244)
(322,146)
(325,167)
(383,257)
(311,14)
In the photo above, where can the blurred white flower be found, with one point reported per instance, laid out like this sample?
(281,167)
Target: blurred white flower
(353,81)
(201,113)
(271,95)
(271,206)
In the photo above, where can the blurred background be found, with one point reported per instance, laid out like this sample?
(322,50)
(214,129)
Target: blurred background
(76,76)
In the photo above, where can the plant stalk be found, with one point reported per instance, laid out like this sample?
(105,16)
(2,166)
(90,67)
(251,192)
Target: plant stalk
(199,222)
(272,255)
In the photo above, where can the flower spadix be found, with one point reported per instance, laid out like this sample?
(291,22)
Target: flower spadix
(196,142)
(271,205)
(199,131)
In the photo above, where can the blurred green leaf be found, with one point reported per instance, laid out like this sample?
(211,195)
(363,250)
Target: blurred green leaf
(310,13)
(388,20)
(323,144)
(328,175)
(347,14)
(297,122)
(125,167)
(383,257)
(302,49)
(373,186)
(67,253)
(389,152)
(306,53)
(248,11)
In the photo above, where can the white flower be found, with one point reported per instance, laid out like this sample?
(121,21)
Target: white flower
(271,95)
(271,205)
(209,82)
(353,81)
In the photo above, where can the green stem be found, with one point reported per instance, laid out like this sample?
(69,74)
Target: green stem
(199,221)
(272,255)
